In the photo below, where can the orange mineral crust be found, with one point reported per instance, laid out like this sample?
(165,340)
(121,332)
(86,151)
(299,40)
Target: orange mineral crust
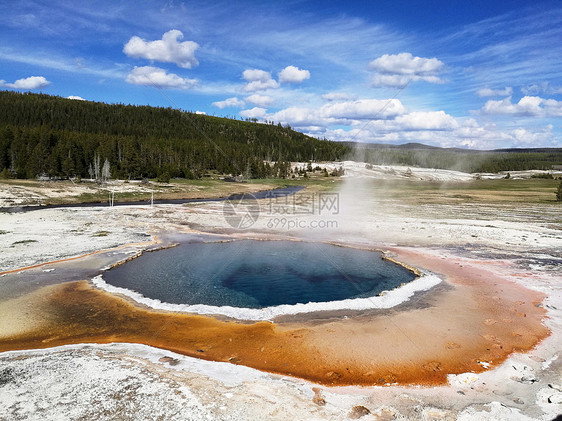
(480,317)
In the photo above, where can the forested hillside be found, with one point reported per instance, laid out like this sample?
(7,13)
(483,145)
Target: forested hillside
(58,137)
(42,134)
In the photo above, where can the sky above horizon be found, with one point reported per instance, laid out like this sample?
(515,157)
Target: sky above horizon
(476,74)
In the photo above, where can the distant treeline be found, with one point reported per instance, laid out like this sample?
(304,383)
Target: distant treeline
(471,161)
(58,137)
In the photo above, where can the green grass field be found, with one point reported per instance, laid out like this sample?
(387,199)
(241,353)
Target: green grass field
(534,190)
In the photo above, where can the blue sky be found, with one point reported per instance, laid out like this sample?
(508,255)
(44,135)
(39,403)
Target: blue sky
(476,74)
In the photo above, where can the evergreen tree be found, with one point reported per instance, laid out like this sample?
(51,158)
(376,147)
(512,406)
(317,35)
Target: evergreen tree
(6,139)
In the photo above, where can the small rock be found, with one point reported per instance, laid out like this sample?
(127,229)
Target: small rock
(318,398)
(358,411)
(525,379)
(385,414)
(518,401)
(463,379)
(169,360)
(435,414)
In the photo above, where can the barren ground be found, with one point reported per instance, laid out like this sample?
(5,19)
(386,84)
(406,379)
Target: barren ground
(505,231)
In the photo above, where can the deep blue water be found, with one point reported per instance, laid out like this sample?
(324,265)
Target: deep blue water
(257,274)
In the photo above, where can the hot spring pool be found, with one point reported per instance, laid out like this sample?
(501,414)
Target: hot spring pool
(257,274)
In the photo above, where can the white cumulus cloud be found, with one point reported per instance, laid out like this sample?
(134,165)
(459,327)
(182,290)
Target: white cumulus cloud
(79,98)
(525,137)
(260,100)
(168,49)
(292,74)
(364,109)
(467,134)
(301,117)
(400,69)
(258,80)
(155,76)
(256,75)
(508,90)
(388,121)
(347,113)
(258,85)
(229,102)
(256,112)
(29,83)
(427,120)
(532,106)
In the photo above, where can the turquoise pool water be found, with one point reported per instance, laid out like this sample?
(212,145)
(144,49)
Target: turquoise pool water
(258,274)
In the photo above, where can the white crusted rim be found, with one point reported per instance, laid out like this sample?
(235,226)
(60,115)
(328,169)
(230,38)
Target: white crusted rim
(387,299)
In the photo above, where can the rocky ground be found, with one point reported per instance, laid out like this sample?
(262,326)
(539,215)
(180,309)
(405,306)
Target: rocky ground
(127,381)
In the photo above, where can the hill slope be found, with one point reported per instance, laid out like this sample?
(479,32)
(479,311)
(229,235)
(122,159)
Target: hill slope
(42,134)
